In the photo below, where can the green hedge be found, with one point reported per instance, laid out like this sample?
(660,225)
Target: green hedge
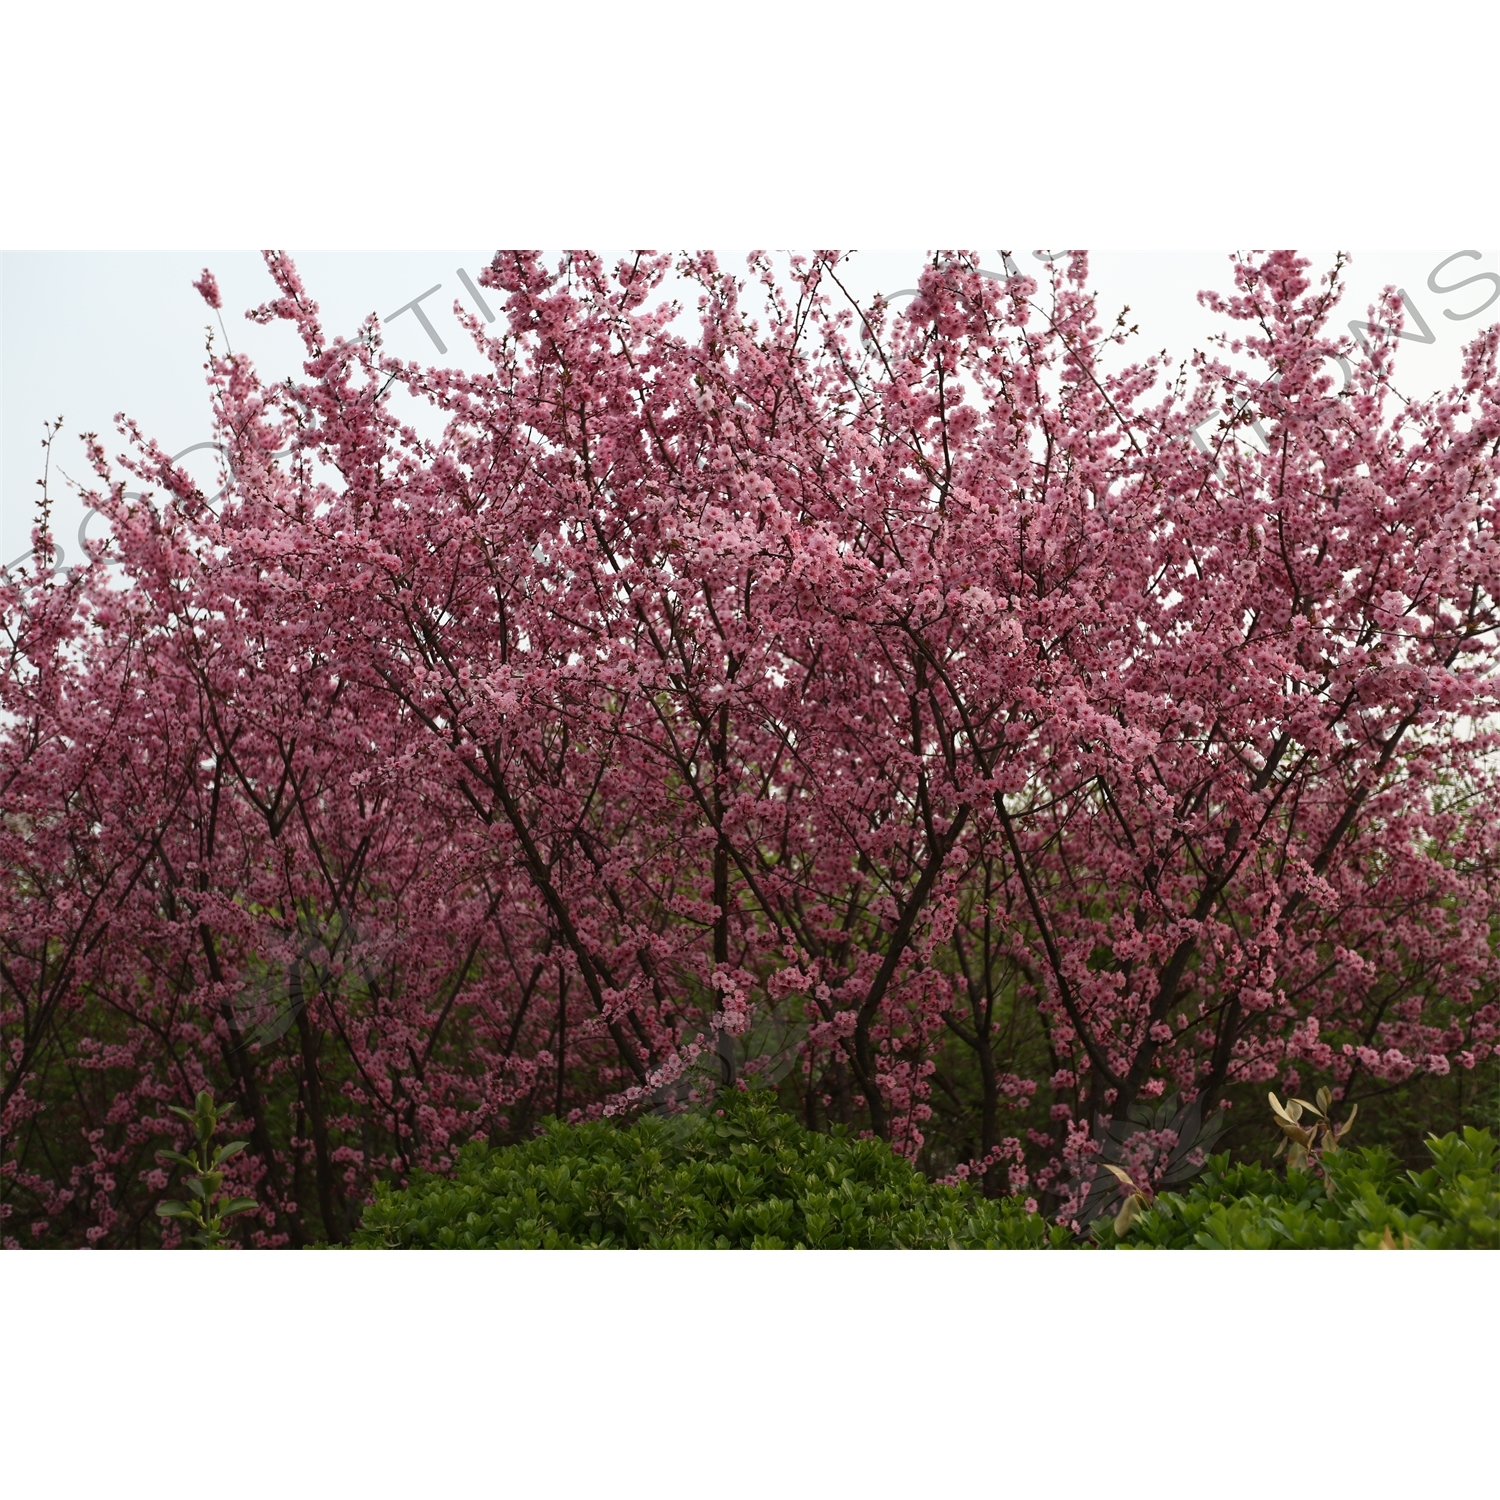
(748,1177)
(1453,1205)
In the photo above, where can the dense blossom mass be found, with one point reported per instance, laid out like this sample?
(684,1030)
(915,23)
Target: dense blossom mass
(1016,733)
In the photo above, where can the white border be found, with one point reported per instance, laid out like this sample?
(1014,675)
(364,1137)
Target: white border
(734,1374)
(1163,124)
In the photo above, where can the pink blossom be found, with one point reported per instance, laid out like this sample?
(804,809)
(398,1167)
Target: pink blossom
(880,691)
(208,288)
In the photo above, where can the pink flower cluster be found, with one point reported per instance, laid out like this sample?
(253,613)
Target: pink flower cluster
(1038,730)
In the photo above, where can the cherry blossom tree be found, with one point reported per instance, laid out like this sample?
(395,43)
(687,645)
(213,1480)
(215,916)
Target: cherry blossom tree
(1026,732)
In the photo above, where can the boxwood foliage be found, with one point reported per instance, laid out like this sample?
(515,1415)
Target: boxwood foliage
(1453,1205)
(746,1176)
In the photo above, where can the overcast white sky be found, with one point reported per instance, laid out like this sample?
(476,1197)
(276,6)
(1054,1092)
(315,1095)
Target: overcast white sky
(84,335)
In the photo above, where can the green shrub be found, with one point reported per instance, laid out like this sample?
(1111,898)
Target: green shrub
(748,1177)
(1452,1205)
(751,1177)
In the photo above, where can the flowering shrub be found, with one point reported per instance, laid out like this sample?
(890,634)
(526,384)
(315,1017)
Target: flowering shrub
(744,1177)
(1452,1205)
(1031,734)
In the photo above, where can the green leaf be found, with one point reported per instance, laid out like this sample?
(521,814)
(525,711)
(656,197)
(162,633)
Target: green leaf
(237,1206)
(171,1209)
(225,1152)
